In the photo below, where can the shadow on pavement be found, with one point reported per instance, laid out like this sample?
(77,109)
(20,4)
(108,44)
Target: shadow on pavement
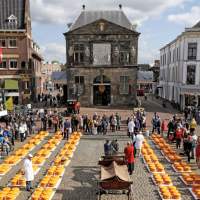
(86,177)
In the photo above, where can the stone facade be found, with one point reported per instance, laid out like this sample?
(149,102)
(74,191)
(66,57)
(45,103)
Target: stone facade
(88,66)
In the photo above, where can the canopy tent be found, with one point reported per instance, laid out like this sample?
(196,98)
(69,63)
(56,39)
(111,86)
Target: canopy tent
(115,170)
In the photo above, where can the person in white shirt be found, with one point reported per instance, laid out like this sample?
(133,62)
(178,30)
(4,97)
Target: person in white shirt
(22,132)
(131,126)
(194,143)
(25,129)
(28,172)
(139,139)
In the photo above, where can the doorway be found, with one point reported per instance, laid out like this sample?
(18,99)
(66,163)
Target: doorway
(101,91)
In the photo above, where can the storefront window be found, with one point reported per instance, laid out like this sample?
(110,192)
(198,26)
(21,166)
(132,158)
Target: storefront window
(191,69)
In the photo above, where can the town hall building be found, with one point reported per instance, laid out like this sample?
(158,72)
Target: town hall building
(102,55)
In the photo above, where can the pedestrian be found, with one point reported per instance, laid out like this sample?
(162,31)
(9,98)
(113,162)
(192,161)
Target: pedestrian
(118,118)
(139,139)
(129,157)
(21,132)
(170,127)
(179,136)
(104,125)
(189,147)
(193,125)
(194,142)
(66,129)
(131,127)
(55,122)
(114,147)
(94,127)
(28,172)
(198,152)
(107,148)
(49,121)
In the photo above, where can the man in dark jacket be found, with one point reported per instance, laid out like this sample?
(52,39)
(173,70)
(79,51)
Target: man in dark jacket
(107,148)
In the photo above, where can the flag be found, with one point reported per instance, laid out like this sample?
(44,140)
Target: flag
(9,104)
(1,55)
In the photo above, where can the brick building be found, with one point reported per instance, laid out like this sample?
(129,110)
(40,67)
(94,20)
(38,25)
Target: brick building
(102,52)
(21,60)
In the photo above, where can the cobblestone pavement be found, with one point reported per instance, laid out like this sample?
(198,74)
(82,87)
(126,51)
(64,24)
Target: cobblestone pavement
(80,179)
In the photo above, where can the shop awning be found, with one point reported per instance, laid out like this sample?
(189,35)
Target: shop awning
(11,85)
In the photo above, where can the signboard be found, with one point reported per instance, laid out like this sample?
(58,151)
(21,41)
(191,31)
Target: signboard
(3,113)
(102,54)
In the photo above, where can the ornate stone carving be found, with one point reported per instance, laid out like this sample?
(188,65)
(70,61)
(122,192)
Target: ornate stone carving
(133,51)
(116,51)
(71,51)
(87,51)
(102,26)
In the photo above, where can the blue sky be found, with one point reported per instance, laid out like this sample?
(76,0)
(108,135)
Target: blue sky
(159,22)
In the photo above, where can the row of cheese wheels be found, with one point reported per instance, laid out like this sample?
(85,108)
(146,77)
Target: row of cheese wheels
(18,155)
(54,174)
(190,178)
(162,179)
(38,159)
(178,164)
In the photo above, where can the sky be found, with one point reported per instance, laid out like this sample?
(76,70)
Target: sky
(158,21)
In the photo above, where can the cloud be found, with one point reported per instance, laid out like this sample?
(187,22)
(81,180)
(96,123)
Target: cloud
(188,18)
(147,53)
(65,11)
(54,51)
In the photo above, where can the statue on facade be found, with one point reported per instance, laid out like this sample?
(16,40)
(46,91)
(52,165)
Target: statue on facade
(71,51)
(87,51)
(133,51)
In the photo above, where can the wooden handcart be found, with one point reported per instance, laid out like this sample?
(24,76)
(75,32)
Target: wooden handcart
(114,177)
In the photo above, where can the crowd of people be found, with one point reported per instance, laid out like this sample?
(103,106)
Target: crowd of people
(182,132)
(96,124)
(136,123)
(192,112)
(17,127)
(178,130)
(49,100)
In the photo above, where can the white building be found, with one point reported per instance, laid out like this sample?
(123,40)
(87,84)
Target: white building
(180,68)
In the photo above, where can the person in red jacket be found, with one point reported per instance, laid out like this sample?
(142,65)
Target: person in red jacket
(129,156)
(198,152)
(179,136)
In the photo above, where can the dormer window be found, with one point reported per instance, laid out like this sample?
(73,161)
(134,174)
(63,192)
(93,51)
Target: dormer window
(12,19)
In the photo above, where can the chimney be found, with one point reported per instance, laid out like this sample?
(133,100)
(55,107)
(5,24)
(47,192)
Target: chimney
(120,6)
(83,6)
